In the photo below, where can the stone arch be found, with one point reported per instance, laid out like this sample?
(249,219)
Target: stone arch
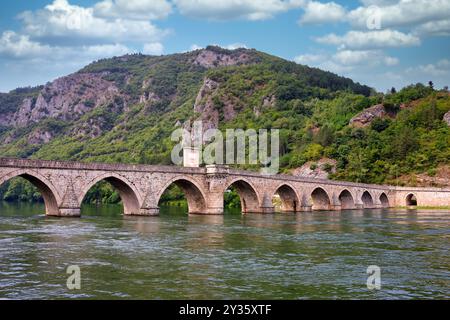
(347,200)
(384,200)
(320,199)
(129,195)
(250,201)
(290,201)
(45,187)
(411,200)
(193,192)
(367,200)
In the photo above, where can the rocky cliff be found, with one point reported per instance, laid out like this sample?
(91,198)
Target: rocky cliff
(447,118)
(67,99)
(368,115)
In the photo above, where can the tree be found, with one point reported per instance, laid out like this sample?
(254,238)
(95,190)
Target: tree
(379,124)
(325,136)
(405,142)
(430,84)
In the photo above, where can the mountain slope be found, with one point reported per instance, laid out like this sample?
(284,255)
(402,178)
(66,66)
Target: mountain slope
(119,106)
(125,108)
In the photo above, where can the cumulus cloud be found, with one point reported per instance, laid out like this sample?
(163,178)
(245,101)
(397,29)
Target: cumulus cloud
(366,57)
(17,46)
(347,60)
(235,46)
(61,21)
(318,13)
(235,9)
(378,2)
(436,28)
(400,13)
(154,48)
(438,69)
(310,59)
(13,45)
(133,9)
(420,17)
(195,47)
(41,63)
(370,39)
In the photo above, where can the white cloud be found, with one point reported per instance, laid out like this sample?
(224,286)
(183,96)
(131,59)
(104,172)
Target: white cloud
(347,60)
(438,69)
(366,57)
(370,39)
(42,63)
(63,21)
(378,2)
(235,46)
(133,9)
(318,13)
(235,9)
(195,47)
(154,48)
(400,13)
(438,72)
(335,67)
(437,28)
(13,45)
(105,50)
(310,59)
(391,61)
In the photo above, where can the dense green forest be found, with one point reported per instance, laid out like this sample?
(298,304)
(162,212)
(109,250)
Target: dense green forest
(312,109)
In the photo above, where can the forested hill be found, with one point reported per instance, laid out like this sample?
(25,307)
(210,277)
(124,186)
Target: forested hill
(124,109)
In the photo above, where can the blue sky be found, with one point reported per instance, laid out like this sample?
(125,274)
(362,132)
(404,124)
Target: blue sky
(381,43)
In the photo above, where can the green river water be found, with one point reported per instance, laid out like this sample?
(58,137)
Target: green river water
(320,255)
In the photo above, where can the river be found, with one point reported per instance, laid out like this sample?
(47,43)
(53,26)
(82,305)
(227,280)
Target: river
(320,255)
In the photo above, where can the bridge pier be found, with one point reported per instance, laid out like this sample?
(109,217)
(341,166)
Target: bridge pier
(377,204)
(335,207)
(215,199)
(214,211)
(266,209)
(147,212)
(68,212)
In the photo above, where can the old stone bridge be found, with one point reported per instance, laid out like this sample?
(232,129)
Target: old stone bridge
(63,186)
